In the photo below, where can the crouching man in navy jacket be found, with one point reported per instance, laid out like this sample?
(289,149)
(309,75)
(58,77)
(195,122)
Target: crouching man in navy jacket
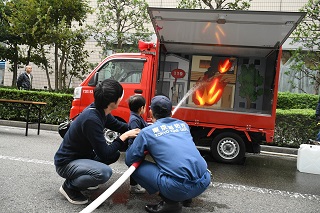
(83,157)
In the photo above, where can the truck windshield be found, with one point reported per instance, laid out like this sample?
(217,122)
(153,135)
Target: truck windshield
(127,71)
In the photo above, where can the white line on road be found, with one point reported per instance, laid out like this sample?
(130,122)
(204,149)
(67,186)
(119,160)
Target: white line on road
(215,184)
(28,160)
(266,191)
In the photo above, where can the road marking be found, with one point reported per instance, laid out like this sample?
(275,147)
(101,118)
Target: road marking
(36,161)
(28,160)
(214,184)
(266,191)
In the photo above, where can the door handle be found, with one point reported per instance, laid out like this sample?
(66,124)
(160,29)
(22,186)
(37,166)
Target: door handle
(139,91)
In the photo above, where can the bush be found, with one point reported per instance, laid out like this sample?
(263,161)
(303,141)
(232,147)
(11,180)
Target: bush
(295,119)
(57,108)
(288,100)
(294,127)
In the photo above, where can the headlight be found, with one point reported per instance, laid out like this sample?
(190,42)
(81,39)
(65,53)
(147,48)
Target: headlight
(77,93)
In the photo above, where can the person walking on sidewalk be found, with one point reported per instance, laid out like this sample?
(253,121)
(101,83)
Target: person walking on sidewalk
(178,173)
(137,104)
(24,81)
(83,156)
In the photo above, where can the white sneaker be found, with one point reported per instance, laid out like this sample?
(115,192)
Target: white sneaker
(137,189)
(93,187)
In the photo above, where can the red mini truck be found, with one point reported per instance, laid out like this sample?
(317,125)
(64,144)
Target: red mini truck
(219,68)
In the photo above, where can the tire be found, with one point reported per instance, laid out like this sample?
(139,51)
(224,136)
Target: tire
(228,147)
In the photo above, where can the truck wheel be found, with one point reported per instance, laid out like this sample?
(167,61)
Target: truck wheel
(110,135)
(228,147)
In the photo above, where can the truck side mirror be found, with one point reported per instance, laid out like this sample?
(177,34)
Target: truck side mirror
(94,80)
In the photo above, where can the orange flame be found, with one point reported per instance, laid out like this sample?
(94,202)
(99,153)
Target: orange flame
(209,93)
(224,66)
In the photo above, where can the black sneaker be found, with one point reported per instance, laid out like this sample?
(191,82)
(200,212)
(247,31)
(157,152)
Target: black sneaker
(73,196)
(163,207)
(187,203)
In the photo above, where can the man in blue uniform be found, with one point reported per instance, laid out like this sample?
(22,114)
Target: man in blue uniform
(179,172)
(83,156)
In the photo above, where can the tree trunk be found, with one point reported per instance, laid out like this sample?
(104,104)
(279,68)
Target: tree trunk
(28,55)
(15,66)
(61,77)
(46,69)
(248,104)
(65,75)
(317,82)
(56,64)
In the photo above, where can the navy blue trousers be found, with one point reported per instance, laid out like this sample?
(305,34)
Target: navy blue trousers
(148,175)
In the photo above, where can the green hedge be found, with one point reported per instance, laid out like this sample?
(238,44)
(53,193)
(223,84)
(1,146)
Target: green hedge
(295,120)
(297,101)
(294,127)
(56,110)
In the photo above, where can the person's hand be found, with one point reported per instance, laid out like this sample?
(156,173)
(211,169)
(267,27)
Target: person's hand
(130,134)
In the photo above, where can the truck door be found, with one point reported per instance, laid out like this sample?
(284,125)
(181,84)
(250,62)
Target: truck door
(131,73)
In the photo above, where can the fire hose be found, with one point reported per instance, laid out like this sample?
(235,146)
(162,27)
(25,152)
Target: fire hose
(105,195)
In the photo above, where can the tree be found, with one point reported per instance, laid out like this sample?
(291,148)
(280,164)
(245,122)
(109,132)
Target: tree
(250,80)
(216,5)
(11,40)
(120,24)
(32,28)
(59,22)
(307,33)
(76,56)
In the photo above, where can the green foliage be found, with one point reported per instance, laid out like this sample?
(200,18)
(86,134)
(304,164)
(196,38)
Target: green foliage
(120,24)
(59,25)
(30,28)
(295,127)
(295,120)
(307,34)
(57,108)
(11,40)
(288,100)
(215,5)
(250,80)
(190,4)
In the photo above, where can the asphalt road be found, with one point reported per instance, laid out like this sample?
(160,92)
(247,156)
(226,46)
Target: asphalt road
(29,183)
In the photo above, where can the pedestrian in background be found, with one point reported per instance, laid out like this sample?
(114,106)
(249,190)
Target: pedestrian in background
(24,81)
(137,106)
(179,173)
(83,157)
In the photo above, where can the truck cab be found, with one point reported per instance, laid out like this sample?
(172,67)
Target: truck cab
(219,68)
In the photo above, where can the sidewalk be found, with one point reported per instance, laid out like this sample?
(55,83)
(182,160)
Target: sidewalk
(265,149)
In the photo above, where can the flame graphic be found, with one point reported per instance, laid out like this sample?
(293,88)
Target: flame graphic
(209,92)
(224,66)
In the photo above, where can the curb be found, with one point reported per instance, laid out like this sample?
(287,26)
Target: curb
(281,150)
(21,124)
